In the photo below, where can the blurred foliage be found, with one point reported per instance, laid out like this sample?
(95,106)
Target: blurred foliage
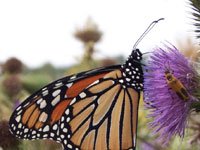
(40,145)
(47,69)
(35,81)
(12,85)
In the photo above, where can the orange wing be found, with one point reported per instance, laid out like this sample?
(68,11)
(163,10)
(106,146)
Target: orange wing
(91,110)
(38,117)
(103,116)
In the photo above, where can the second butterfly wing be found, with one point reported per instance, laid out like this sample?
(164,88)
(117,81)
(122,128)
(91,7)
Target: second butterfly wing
(102,116)
(38,117)
(88,111)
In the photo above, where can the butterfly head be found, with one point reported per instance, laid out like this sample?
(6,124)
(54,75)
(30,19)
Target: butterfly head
(136,55)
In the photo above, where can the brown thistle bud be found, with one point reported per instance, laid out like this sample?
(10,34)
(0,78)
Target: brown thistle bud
(7,140)
(13,65)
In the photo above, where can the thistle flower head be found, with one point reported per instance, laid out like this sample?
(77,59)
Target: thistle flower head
(7,140)
(168,85)
(13,66)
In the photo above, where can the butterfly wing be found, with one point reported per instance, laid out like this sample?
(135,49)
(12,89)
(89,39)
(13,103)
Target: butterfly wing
(102,116)
(92,110)
(38,117)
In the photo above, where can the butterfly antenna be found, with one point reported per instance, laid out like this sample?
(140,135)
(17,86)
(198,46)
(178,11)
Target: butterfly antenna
(146,31)
(146,53)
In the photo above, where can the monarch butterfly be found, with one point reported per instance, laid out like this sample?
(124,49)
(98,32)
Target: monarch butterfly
(96,109)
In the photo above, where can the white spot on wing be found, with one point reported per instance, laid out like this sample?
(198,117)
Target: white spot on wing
(43,104)
(55,101)
(20,125)
(26,130)
(121,81)
(55,93)
(59,84)
(134,140)
(69,84)
(69,146)
(18,108)
(44,88)
(65,130)
(45,135)
(95,82)
(62,136)
(73,101)
(43,117)
(18,118)
(33,137)
(46,128)
(68,119)
(44,93)
(82,95)
(62,125)
(55,127)
(19,112)
(65,142)
(73,77)
(62,119)
(39,101)
(67,112)
(26,104)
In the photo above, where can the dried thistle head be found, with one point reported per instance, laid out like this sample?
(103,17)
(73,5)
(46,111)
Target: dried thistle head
(89,32)
(189,49)
(13,65)
(7,140)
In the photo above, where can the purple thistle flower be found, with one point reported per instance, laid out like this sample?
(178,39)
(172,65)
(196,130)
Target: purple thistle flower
(167,108)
